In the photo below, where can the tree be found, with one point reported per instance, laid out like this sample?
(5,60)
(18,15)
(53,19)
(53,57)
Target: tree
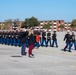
(62,26)
(73,24)
(16,22)
(25,24)
(3,26)
(33,22)
(8,23)
(0,26)
(47,26)
(30,22)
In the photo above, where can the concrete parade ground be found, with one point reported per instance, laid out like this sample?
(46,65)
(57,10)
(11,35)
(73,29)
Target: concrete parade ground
(47,60)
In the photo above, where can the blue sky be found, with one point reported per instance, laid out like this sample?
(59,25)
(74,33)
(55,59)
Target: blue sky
(41,9)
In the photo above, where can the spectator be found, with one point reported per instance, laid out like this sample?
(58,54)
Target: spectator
(31,43)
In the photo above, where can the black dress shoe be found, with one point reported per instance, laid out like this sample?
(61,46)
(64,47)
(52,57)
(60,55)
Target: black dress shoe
(31,56)
(25,53)
(56,46)
(69,51)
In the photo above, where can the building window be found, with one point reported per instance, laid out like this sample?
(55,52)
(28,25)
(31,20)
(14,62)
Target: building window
(50,21)
(45,21)
(54,24)
(54,21)
(59,21)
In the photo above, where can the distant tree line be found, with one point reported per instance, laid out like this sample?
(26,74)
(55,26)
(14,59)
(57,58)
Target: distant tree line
(30,22)
(10,24)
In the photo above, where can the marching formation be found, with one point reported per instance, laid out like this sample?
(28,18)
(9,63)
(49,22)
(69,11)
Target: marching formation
(35,38)
(28,38)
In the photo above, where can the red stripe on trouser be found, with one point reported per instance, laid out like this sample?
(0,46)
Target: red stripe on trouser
(30,49)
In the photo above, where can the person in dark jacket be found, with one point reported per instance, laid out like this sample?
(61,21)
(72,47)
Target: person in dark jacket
(48,38)
(31,43)
(18,38)
(73,40)
(11,39)
(23,42)
(0,37)
(27,44)
(54,39)
(68,41)
(15,39)
(43,38)
(8,38)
